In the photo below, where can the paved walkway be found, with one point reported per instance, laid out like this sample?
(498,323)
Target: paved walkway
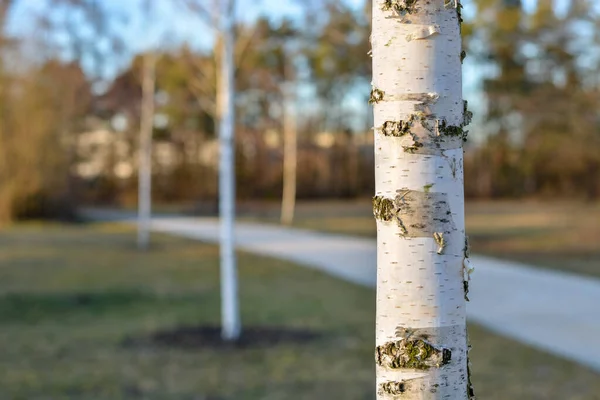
(553,311)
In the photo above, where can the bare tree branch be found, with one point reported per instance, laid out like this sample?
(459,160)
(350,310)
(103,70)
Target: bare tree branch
(201,10)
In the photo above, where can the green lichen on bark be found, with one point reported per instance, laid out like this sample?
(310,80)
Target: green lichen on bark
(444,129)
(401,7)
(411,353)
(376,96)
(392,388)
(383,208)
(396,128)
(401,127)
(452,130)
(459,8)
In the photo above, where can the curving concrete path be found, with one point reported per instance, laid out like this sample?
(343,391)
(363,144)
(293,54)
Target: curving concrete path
(553,311)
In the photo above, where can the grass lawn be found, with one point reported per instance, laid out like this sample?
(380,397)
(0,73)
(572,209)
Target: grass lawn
(84,315)
(560,235)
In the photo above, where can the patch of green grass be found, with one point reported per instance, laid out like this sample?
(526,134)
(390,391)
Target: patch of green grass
(80,306)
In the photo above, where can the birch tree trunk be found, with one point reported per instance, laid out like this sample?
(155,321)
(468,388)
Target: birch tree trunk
(145,150)
(290,147)
(419,117)
(230,315)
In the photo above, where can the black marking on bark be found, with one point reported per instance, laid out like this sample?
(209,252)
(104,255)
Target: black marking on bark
(459,12)
(418,214)
(467,115)
(412,353)
(466,270)
(463,55)
(376,96)
(393,388)
(470,389)
(402,7)
(415,146)
(453,167)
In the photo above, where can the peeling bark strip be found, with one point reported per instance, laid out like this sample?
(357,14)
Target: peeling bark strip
(441,242)
(424,98)
(419,214)
(410,387)
(423,32)
(467,270)
(411,353)
(428,135)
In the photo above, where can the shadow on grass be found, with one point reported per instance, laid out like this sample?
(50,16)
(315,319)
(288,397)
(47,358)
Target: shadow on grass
(209,336)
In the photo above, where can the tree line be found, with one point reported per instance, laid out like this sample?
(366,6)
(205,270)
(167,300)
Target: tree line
(535,100)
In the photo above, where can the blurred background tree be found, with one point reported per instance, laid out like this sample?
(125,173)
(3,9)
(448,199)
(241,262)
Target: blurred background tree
(70,102)
(541,99)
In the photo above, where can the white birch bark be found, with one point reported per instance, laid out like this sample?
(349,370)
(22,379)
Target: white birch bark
(290,148)
(230,315)
(419,116)
(145,150)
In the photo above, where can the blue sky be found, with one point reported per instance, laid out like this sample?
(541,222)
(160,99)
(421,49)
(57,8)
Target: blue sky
(167,24)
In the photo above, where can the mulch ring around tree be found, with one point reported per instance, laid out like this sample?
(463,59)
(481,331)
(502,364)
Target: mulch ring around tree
(191,337)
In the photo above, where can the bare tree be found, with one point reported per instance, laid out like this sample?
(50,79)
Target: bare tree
(226,113)
(145,150)
(290,145)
